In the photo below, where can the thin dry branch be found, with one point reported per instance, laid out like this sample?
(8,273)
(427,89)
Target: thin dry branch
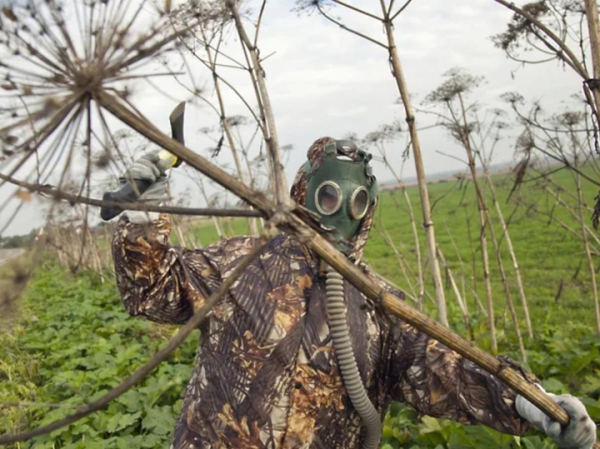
(402,85)
(271,139)
(350,30)
(156,359)
(140,206)
(565,53)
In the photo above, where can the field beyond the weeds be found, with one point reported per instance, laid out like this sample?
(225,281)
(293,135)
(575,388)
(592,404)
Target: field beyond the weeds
(72,341)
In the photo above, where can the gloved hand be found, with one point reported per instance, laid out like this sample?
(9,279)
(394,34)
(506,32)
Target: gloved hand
(151,167)
(579,434)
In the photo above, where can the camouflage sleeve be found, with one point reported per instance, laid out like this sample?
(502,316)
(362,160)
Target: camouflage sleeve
(166,283)
(439,382)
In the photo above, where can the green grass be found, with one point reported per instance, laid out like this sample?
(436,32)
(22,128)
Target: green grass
(73,341)
(548,255)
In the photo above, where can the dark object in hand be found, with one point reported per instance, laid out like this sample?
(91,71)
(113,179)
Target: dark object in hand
(129,193)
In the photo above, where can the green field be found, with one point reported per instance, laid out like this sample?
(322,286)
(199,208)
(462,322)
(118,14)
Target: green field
(549,256)
(71,341)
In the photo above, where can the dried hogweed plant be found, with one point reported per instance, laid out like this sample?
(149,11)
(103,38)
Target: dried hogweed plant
(59,61)
(65,65)
(56,59)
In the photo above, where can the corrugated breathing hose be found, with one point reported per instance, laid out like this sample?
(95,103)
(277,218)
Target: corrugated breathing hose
(340,334)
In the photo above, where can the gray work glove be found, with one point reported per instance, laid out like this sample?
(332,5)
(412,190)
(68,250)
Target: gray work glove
(579,434)
(152,167)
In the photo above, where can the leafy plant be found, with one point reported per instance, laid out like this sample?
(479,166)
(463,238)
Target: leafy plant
(75,343)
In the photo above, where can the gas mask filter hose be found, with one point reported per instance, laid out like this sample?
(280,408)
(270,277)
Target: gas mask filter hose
(340,334)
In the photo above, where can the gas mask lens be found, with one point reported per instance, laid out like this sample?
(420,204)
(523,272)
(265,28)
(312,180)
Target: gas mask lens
(359,203)
(328,198)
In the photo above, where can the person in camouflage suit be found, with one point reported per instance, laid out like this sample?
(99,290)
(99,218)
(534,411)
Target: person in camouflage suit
(266,373)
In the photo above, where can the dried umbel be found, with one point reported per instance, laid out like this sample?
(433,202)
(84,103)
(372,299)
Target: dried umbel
(57,59)
(519,28)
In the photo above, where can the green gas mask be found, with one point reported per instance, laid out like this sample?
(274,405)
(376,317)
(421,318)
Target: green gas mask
(341,191)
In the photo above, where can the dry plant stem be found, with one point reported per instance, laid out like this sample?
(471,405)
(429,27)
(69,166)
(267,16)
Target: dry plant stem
(574,214)
(509,245)
(481,206)
(216,222)
(485,219)
(513,256)
(591,13)
(338,261)
(46,132)
(271,139)
(413,226)
(423,192)
(566,54)
(404,266)
(478,301)
(461,303)
(225,122)
(462,269)
(588,253)
(486,278)
(156,359)
(511,306)
(77,199)
(388,239)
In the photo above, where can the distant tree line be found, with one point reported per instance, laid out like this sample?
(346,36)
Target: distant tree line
(17,241)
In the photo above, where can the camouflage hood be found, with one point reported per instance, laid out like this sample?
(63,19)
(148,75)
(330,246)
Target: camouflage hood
(316,155)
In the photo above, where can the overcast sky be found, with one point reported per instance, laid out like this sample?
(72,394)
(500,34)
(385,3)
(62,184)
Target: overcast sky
(325,81)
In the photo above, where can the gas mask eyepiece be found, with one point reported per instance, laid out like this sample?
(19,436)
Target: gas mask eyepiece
(359,203)
(329,199)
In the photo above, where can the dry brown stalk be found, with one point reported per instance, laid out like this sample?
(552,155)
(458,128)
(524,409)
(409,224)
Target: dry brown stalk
(509,245)
(401,262)
(564,52)
(413,224)
(224,119)
(387,20)
(422,182)
(590,260)
(61,195)
(556,195)
(490,225)
(482,212)
(513,257)
(461,303)
(271,139)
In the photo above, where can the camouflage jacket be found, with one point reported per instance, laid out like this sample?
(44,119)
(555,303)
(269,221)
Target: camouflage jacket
(266,375)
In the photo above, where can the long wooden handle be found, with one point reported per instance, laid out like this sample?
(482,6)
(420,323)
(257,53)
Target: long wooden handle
(441,333)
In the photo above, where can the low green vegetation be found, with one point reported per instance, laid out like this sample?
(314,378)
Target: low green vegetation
(73,342)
